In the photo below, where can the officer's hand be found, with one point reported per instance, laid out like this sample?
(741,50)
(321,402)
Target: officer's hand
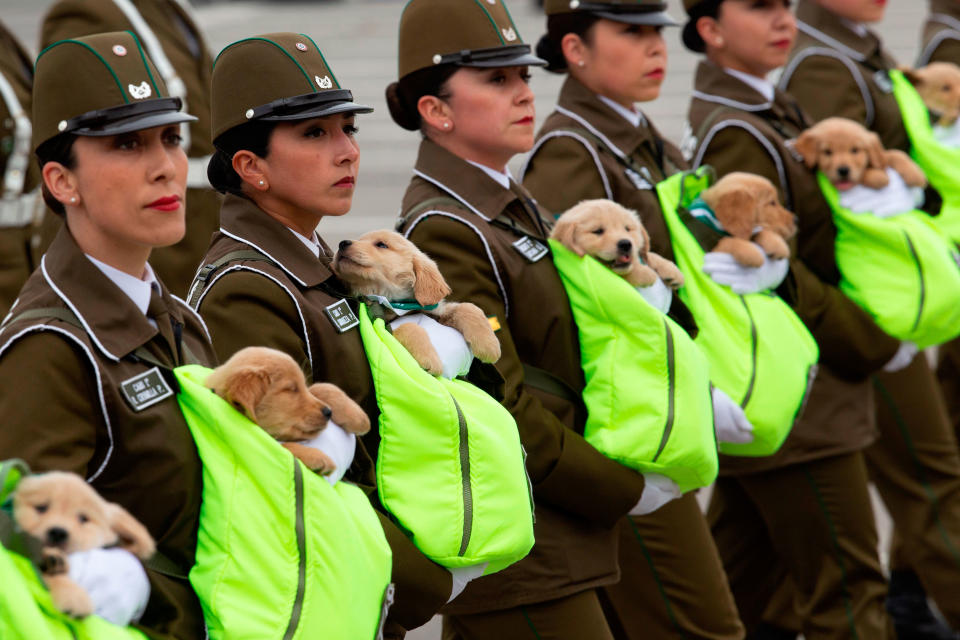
(729,419)
(724,269)
(339,445)
(902,358)
(658,295)
(891,200)
(658,491)
(115,581)
(462,577)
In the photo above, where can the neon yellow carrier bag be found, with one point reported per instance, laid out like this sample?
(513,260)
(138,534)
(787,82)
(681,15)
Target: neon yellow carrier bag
(901,270)
(647,388)
(941,163)
(26,608)
(760,352)
(280,553)
(450,468)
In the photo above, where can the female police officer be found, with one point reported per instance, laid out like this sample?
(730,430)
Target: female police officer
(93,322)
(463,85)
(287,157)
(840,68)
(614,55)
(822,540)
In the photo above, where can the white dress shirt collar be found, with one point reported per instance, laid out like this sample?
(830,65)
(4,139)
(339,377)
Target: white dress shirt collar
(311,243)
(761,85)
(858,28)
(137,289)
(502,178)
(633,116)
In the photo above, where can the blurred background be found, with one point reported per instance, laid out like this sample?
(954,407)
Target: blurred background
(359,40)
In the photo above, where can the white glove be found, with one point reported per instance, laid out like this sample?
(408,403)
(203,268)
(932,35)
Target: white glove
(948,136)
(462,577)
(902,358)
(658,295)
(892,200)
(724,269)
(658,491)
(449,343)
(339,445)
(729,420)
(115,581)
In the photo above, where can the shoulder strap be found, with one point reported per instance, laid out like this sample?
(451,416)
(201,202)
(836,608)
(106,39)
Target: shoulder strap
(59,313)
(203,276)
(420,207)
(549,383)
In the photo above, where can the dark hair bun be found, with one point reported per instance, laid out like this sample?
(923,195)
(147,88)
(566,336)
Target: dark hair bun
(220,173)
(549,49)
(403,112)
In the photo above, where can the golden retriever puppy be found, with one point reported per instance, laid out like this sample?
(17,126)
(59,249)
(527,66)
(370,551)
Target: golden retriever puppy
(748,208)
(67,515)
(614,236)
(384,263)
(938,84)
(269,388)
(850,154)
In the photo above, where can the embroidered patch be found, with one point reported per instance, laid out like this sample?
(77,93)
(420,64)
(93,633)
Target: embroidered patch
(638,181)
(342,316)
(509,34)
(140,92)
(145,390)
(324,83)
(530,249)
(882,79)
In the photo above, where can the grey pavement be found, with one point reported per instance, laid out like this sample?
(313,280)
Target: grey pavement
(359,39)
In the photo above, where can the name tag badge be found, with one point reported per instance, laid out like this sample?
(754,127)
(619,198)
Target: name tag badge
(882,79)
(530,249)
(639,181)
(145,389)
(342,316)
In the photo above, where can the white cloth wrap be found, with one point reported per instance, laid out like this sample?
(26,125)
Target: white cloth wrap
(724,269)
(339,445)
(659,295)
(892,200)
(115,580)
(449,343)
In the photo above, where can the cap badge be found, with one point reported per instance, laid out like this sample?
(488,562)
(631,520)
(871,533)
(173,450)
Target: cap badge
(509,34)
(574,4)
(491,1)
(119,50)
(140,92)
(324,83)
(301,47)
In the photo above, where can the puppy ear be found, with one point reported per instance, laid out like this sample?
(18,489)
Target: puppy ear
(564,232)
(430,287)
(244,388)
(875,152)
(645,248)
(132,535)
(736,209)
(806,146)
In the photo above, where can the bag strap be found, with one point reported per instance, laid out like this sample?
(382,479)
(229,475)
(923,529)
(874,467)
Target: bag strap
(202,279)
(420,207)
(549,383)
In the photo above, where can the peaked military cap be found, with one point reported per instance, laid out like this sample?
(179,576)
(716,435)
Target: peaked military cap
(467,33)
(99,85)
(696,9)
(275,77)
(652,12)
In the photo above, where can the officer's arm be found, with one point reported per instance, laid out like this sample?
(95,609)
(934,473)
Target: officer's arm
(246,309)
(565,470)
(843,99)
(851,343)
(562,173)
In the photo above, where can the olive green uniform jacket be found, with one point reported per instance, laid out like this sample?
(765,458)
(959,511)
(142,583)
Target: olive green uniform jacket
(181,42)
(26,228)
(282,304)
(62,408)
(737,129)
(580,494)
(941,34)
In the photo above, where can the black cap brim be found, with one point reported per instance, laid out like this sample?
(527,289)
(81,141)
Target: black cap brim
(516,60)
(652,18)
(136,123)
(320,110)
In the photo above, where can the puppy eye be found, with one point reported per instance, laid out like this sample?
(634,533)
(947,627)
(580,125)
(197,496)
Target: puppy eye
(291,389)
(381,245)
(41,508)
(945,87)
(598,231)
(828,152)
(628,229)
(855,150)
(83,518)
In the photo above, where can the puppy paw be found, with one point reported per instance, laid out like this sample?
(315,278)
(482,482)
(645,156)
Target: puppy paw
(668,271)
(641,276)
(773,244)
(911,173)
(69,597)
(875,178)
(314,459)
(416,340)
(346,412)
(744,252)
(470,321)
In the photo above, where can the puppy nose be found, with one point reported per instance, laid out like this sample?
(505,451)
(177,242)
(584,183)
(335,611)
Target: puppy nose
(344,244)
(327,412)
(624,246)
(843,171)
(57,535)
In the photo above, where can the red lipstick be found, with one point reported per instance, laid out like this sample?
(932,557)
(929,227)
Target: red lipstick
(344,182)
(168,203)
